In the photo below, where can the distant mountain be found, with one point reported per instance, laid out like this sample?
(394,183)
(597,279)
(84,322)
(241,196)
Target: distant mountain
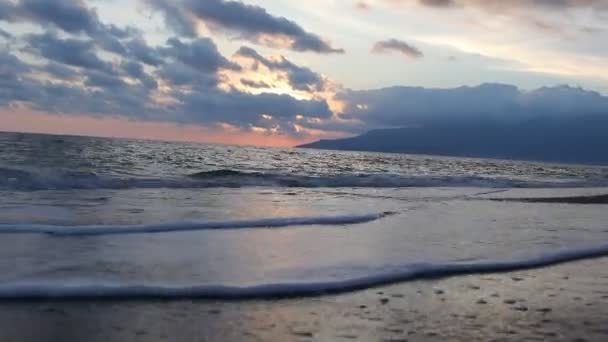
(584,140)
(555,124)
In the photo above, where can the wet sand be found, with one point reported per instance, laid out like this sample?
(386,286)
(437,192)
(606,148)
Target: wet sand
(568,302)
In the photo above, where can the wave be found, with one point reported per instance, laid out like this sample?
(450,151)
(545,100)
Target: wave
(94,290)
(28,180)
(183,226)
(590,199)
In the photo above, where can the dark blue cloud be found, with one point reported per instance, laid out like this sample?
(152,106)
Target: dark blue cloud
(60,71)
(249,22)
(8,10)
(192,68)
(69,15)
(300,78)
(136,70)
(239,108)
(200,54)
(396,45)
(75,52)
(103,80)
(12,67)
(139,49)
(415,106)
(82,78)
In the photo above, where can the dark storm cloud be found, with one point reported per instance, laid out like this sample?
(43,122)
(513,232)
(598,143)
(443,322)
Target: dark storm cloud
(136,70)
(75,52)
(60,71)
(242,109)
(102,80)
(200,54)
(69,15)
(395,45)
(105,91)
(249,22)
(180,74)
(111,44)
(81,78)
(11,66)
(139,49)
(300,78)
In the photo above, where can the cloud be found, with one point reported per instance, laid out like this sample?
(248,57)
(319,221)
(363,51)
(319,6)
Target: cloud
(415,106)
(60,71)
(136,71)
(102,80)
(438,3)
(501,5)
(7,10)
(255,84)
(300,78)
(11,67)
(200,54)
(75,52)
(139,49)
(180,74)
(248,22)
(69,15)
(79,78)
(5,35)
(176,17)
(545,16)
(362,6)
(395,45)
(241,109)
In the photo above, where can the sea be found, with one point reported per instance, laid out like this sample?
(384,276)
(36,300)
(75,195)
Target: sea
(84,217)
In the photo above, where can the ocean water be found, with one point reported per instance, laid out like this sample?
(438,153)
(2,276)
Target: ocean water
(94,217)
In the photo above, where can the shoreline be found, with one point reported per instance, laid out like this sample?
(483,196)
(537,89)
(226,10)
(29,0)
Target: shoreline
(566,302)
(591,199)
(281,291)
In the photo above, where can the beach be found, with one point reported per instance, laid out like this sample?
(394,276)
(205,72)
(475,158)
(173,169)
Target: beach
(187,242)
(561,303)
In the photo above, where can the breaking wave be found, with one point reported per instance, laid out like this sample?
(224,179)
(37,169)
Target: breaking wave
(183,226)
(25,180)
(95,290)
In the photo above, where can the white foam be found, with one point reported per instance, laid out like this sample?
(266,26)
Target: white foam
(94,290)
(182,226)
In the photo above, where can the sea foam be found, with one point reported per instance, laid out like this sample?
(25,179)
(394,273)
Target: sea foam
(126,291)
(183,226)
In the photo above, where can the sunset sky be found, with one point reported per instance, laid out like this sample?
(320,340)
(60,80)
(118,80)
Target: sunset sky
(270,72)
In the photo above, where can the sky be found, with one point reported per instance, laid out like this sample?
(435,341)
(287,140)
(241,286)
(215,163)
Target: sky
(282,73)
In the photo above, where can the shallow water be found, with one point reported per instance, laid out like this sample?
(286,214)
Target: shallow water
(309,220)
